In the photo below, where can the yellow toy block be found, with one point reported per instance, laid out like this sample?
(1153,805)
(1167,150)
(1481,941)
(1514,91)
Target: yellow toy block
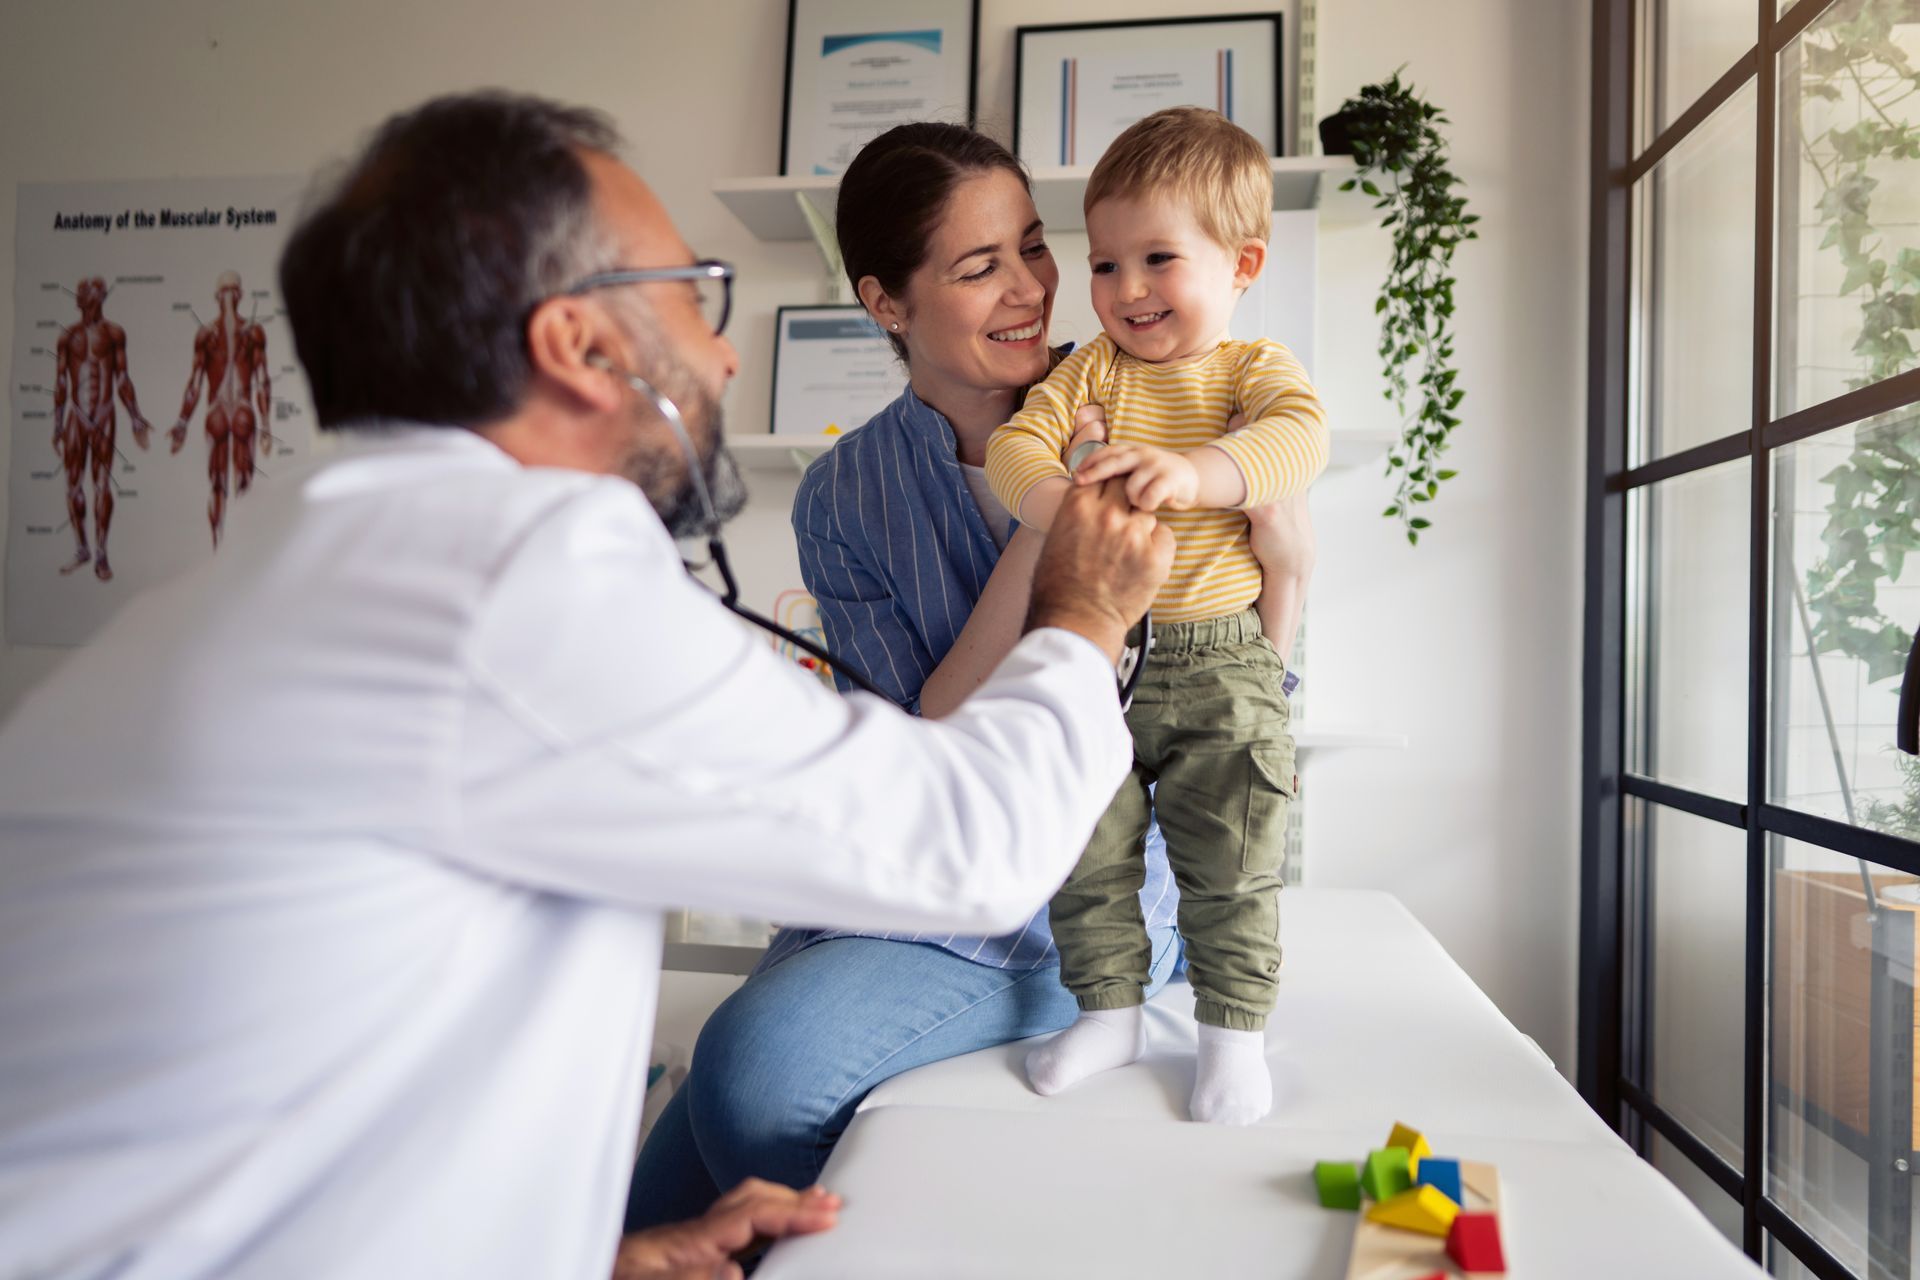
(1424,1209)
(1415,1143)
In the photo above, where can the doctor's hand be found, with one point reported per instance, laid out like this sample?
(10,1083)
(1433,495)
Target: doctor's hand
(1102,564)
(755,1212)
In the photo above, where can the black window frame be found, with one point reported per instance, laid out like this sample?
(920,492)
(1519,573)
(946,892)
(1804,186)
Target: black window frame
(1614,1026)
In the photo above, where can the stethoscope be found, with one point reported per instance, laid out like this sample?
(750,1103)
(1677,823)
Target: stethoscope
(1133,662)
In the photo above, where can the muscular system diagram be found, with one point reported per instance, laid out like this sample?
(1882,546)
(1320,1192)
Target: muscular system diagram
(90,371)
(230,365)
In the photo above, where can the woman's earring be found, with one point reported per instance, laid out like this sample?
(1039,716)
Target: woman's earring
(895,326)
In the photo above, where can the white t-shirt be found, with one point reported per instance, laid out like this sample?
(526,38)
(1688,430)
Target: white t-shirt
(332,874)
(992,510)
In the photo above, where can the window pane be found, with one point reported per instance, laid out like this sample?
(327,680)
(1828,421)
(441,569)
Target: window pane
(1782,1263)
(1721,1209)
(1849,202)
(1692,43)
(1693,322)
(1687,637)
(1847,515)
(1692,967)
(1841,1068)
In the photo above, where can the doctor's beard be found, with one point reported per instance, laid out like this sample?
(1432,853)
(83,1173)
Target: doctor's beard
(678,506)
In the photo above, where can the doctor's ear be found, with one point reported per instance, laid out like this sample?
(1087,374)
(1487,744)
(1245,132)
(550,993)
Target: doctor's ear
(564,346)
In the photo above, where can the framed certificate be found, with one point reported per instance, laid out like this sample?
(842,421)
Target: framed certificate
(856,68)
(1076,88)
(832,370)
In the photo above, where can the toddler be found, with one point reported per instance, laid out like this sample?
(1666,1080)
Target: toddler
(1178,214)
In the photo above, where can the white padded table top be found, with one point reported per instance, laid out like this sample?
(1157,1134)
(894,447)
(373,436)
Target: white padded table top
(957,1193)
(1374,1023)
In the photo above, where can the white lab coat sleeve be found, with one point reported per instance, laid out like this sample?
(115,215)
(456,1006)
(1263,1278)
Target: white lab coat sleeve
(627,739)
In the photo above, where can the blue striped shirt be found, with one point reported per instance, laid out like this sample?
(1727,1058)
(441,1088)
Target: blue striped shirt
(895,550)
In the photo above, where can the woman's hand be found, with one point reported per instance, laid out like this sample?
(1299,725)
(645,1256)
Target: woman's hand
(1281,536)
(1089,424)
(753,1212)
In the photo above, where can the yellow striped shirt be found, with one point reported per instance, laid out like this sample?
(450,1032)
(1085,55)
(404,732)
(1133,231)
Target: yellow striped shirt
(1182,406)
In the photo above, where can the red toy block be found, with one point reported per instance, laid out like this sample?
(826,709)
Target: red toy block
(1474,1243)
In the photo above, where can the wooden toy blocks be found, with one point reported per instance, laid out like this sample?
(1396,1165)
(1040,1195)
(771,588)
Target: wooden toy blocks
(1338,1182)
(1414,1141)
(1422,1209)
(1386,1173)
(1473,1241)
(1444,1175)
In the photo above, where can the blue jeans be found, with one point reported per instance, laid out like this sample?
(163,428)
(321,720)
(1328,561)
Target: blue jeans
(783,1063)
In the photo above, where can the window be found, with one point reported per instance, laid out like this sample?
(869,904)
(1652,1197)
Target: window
(1751,831)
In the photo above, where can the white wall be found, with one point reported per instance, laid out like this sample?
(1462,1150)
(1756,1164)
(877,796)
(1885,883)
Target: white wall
(1469,645)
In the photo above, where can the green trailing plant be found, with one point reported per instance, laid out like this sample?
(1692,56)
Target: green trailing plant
(1874,513)
(1402,157)
(1901,815)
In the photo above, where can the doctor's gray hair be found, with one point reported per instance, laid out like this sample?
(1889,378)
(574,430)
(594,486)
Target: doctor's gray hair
(409,287)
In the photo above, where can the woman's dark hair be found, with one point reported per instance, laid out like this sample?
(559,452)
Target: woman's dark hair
(894,193)
(408,289)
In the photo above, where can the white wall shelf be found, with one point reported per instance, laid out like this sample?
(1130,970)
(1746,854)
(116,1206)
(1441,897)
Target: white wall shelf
(783,453)
(1310,740)
(770,207)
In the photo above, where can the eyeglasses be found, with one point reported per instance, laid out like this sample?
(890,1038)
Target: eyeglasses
(712,281)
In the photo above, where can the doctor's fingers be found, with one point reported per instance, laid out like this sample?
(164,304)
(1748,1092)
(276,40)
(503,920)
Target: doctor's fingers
(766,1210)
(1141,547)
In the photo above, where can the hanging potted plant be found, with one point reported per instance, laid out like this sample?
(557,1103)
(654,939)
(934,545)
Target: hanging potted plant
(1394,136)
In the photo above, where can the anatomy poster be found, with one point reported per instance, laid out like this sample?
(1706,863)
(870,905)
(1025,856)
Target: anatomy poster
(155,391)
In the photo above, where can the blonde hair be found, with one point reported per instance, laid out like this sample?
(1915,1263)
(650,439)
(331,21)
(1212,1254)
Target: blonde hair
(1196,156)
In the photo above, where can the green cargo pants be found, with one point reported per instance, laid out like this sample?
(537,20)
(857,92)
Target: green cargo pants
(1209,725)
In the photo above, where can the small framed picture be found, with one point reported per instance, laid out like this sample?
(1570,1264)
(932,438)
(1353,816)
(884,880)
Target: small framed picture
(856,68)
(1078,87)
(833,369)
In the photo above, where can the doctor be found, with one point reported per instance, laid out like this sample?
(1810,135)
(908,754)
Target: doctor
(332,873)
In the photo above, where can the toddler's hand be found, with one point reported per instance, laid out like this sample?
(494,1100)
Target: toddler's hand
(1156,478)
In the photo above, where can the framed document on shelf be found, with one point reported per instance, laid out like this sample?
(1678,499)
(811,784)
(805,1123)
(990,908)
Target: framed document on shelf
(1077,87)
(832,370)
(856,68)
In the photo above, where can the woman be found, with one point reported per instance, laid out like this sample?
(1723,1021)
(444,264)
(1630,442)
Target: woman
(922,582)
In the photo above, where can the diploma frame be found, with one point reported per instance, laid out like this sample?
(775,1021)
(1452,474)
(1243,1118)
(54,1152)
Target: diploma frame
(809,21)
(784,358)
(1043,128)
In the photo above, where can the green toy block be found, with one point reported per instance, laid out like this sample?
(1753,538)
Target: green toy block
(1339,1184)
(1386,1173)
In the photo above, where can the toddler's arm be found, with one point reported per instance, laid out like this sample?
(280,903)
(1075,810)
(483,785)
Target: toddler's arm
(1284,446)
(1024,457)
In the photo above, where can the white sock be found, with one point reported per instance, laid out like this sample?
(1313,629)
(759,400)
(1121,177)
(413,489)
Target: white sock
(1232,1084)
(1100,1040)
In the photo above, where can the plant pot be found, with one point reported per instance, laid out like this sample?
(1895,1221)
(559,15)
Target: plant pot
(1336,131)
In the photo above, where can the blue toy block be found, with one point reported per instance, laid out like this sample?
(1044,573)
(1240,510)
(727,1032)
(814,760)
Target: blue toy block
(1443,1176)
